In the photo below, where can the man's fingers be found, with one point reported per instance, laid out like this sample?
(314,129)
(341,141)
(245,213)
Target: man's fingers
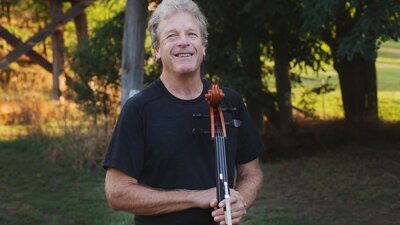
(221,220)
(218,212)
(213,203)
(238,209)
(221,204)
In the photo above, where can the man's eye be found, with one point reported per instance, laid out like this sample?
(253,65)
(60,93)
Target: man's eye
(193,34)
(171,36)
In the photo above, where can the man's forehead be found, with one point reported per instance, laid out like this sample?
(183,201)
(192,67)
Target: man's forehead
(173,21)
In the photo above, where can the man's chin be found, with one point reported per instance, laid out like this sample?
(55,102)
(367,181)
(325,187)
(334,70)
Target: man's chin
(187,70)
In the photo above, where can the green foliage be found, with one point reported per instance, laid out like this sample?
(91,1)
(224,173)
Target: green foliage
(235,46)
(24,18)
(353,27)
(102,11)
(244,36)
(309,96)
(97,66)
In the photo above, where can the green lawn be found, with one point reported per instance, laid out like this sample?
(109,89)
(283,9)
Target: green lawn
(352,184)
(388,71)
(356,184)
(35,191)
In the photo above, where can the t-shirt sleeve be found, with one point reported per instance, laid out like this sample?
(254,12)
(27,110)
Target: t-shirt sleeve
(250,145)
(126,149)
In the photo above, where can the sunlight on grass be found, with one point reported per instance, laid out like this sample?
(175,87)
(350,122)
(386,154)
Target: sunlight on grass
(392,44)
(389,105)
(329,105)
(385,60)
(12,132)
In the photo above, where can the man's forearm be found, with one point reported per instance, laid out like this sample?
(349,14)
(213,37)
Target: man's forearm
(249,182)
(142,200)
(123,193)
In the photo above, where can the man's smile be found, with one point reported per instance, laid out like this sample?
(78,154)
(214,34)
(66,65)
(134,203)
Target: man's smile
(183,55)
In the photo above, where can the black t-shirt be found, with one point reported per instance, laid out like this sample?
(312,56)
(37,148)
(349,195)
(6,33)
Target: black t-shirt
(154,143)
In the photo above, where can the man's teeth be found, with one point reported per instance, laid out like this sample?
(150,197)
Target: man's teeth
(184,55)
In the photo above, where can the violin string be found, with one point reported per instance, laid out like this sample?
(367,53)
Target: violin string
(222,140)
(223,157)
(221,152)
(219,158)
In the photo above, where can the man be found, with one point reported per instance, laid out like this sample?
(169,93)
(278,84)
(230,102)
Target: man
(157,168)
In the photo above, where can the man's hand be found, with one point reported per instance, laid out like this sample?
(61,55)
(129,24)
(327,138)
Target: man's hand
(238,208)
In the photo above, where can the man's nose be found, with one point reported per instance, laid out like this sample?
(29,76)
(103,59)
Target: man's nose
(183,41)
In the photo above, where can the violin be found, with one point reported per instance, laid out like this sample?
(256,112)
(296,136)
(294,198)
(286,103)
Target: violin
(214,98)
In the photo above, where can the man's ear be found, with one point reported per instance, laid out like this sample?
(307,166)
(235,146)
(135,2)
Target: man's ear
(157,53)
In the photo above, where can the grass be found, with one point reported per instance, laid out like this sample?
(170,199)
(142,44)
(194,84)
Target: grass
(388,72)
(329,105)
(355,184)
(35,191)
(352,184)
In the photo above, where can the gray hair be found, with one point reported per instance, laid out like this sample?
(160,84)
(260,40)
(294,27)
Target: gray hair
(169,7)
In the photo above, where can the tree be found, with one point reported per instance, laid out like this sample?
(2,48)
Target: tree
(239,35)
(288,45)
(97,69)
(234,51)
(81,25)
(133,48)
(353,30)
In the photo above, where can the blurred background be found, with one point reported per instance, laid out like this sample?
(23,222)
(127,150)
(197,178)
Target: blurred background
(321,79)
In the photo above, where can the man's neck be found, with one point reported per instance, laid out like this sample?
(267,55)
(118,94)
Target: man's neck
(185,87)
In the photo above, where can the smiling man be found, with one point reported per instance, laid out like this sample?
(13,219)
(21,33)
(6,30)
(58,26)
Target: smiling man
(156,167)
(180,47)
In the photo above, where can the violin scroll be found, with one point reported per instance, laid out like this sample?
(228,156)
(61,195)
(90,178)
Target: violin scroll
(214,98)
(214,95)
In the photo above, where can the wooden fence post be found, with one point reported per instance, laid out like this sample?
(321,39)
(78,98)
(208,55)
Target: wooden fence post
(57,41)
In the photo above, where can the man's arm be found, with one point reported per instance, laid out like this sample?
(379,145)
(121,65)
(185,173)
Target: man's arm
(249,181)
(124,193)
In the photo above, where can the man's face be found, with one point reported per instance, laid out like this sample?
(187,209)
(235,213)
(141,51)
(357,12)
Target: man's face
(180,46)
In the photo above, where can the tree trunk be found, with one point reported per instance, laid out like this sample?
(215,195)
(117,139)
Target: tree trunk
(81,25)
(358,84)
(250,57)
(5,7)
(256,112)
(371,91)
(57,41)
(283,88)
(133,48)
